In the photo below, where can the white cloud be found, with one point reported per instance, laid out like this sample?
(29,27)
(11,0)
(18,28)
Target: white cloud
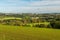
(30,9)
(44,3)
(33,6)
(33,3)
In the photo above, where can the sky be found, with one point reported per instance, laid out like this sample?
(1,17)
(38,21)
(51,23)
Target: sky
(30,6)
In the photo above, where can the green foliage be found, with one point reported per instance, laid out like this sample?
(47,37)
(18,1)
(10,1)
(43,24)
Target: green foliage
(43,20)
(55,24)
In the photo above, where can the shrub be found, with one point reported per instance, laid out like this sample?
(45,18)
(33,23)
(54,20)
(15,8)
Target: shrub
(55,24)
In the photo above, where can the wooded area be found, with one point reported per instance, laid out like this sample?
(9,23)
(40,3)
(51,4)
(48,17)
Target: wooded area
(31,20)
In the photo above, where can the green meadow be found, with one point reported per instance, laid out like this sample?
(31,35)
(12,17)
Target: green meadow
(8,32)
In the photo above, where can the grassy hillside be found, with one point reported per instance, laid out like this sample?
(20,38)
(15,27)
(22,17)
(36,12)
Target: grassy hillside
(28,33)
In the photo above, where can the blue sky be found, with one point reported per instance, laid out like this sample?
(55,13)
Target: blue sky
(30,6)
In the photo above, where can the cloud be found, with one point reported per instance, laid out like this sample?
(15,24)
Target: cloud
(31,9)
(31,6)
(31,3)
(44,3)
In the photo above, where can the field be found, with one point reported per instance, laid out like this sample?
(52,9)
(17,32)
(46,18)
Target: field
(28,33)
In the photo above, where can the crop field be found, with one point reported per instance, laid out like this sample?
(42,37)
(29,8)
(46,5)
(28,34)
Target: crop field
(8,32)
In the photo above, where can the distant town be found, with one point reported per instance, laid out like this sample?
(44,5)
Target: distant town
(48,20)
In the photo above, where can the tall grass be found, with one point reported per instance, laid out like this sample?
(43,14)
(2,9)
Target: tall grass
(28,33)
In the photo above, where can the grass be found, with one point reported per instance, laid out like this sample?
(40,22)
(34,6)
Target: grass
(7,18)
(28,33)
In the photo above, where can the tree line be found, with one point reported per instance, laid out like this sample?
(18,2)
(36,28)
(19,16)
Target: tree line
(53,19)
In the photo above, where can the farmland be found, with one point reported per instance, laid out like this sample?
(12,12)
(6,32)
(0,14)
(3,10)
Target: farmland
(28,33)
(30,27)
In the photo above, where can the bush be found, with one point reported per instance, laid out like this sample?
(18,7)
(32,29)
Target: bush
(55,24)
(39,25)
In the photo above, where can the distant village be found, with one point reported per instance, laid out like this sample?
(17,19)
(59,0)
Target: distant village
(35,19)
